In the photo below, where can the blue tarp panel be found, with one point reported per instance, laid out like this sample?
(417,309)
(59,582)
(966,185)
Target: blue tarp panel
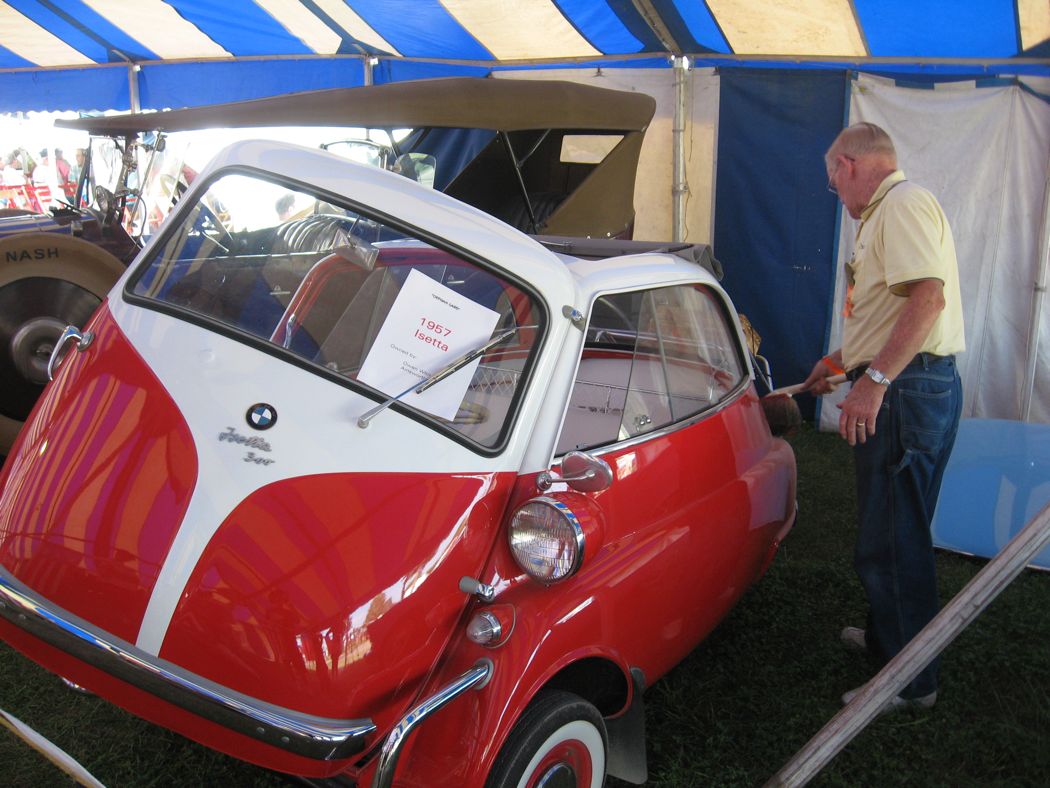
(46,90)
(996,482)
(196,84)
(775,220)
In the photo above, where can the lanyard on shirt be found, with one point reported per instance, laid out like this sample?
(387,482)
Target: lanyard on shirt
(847,310)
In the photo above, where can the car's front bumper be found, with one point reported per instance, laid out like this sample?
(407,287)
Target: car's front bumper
(302,734)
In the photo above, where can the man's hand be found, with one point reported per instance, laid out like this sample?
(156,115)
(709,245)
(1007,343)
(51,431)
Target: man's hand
(860,409)
(817,382)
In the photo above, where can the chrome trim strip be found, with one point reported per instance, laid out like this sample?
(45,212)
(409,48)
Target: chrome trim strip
(477,677)
(307,735)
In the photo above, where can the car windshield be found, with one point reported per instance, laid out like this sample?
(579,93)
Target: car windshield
(364,303)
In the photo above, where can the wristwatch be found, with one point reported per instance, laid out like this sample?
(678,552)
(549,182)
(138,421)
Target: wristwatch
(877,376)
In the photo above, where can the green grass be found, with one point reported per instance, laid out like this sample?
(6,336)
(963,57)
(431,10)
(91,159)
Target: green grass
(733,712)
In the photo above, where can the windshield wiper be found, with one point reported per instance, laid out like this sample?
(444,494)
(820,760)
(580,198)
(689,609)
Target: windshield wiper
(437,377)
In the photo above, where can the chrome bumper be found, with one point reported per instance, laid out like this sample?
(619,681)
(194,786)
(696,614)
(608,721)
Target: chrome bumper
(321,738)
(475,678)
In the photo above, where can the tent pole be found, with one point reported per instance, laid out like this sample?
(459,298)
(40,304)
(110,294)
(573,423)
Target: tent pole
(133,86)
(680,187)
(1042,262)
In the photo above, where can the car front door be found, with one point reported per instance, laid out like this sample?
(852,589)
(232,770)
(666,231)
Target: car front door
(662,395)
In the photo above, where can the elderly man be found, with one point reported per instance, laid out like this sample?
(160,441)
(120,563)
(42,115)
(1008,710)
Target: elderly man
(902,328)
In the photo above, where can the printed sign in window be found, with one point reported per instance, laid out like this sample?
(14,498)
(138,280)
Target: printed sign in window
(427,327)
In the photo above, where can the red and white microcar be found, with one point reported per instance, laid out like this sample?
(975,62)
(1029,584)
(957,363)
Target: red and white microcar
(389,490)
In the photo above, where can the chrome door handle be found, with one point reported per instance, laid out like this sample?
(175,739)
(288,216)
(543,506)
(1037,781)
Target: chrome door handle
(71,332)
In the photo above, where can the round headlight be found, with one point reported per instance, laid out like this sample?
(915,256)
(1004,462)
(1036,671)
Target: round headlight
(547,540)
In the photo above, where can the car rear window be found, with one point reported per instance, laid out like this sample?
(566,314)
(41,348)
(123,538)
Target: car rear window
(351,296)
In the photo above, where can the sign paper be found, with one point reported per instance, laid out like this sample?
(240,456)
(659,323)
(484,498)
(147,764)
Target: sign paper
(428,327)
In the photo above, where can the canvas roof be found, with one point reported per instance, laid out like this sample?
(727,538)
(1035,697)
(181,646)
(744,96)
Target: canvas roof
(155,54)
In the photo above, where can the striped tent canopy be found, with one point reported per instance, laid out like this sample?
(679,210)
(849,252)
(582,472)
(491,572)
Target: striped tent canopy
(151,54)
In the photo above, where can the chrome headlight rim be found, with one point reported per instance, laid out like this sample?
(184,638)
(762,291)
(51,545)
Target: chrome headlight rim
(579,540)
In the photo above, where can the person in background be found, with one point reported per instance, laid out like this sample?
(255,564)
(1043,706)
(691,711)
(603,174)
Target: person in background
(28,163)
(902,327)
(45,181)
(76,169)
(12,181)
(12,173)
(285,206)
(64,172)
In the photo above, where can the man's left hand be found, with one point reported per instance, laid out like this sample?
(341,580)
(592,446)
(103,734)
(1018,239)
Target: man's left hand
(860,409)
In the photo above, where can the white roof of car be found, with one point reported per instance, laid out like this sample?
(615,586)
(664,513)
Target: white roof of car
(634,271)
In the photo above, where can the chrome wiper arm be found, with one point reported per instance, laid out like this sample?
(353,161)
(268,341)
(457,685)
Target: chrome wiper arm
(437,377)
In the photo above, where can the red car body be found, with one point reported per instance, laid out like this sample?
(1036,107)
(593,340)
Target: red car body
(293,596)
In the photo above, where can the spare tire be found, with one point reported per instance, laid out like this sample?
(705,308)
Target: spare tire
(47,281)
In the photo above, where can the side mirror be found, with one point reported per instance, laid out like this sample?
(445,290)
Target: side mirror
(581,472)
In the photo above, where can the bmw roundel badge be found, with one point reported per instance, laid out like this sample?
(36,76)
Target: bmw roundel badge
(261,416)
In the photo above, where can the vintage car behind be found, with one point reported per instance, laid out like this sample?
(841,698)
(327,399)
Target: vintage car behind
(545,156)
(390,491)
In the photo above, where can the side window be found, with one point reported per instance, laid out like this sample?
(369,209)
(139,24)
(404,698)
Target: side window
(651,358)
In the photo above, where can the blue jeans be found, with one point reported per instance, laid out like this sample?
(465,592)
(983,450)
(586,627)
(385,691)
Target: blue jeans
(899,472)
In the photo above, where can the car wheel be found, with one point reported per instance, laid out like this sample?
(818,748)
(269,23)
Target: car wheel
(46,283)
(559,742)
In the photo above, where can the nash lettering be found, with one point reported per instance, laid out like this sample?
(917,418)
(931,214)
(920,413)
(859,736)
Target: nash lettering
(30,254)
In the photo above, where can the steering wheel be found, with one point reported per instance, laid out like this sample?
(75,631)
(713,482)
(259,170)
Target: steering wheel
(213,228)
(107,204)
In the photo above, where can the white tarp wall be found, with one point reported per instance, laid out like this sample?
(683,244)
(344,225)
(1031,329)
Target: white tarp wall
(985,153)
(653,186)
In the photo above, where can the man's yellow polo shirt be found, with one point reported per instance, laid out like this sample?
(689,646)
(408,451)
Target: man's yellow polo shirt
(903,237)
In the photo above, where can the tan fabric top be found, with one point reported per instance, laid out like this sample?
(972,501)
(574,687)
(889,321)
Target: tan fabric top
(903,237)
(452,102)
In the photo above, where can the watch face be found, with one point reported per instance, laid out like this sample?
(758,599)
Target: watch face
(875,375)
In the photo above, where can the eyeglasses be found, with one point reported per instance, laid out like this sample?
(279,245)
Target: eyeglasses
(834,172)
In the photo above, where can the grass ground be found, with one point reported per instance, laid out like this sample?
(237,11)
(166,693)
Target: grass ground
(733,712)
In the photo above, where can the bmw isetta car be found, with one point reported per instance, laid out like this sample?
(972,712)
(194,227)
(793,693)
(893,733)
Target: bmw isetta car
(389,492)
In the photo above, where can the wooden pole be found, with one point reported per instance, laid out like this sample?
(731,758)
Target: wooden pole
(934,638)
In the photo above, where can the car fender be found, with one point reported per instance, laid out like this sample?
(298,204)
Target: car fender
(459,745)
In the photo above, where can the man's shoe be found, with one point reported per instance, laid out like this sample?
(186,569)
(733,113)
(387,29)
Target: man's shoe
(897,703)
(853,638)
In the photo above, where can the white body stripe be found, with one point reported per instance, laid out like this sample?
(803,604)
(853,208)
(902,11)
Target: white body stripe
(213,381)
